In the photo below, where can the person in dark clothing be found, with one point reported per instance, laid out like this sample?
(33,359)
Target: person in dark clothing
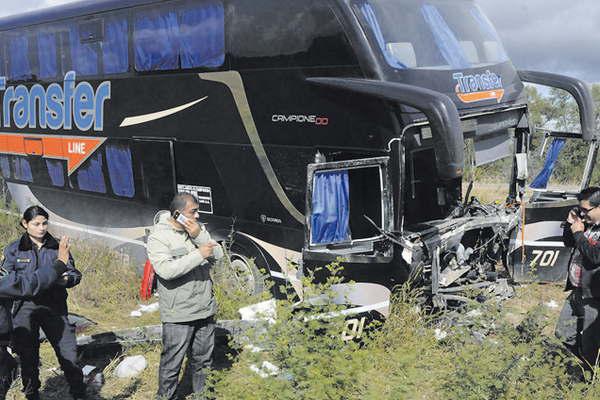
(47,310)
(15,285)
(578,325)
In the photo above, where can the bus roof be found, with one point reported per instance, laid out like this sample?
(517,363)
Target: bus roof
(69,10)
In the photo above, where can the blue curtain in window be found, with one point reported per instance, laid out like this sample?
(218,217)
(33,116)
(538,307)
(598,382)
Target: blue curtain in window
(90,177)
(371,18)
(541,181)
(22,169)
(5,166)
(202,36)
(57,172)
(46,44)
(330,218)
(156,40)
(83,55)
(120,170)
(445,39)
(18,62)
(115,46)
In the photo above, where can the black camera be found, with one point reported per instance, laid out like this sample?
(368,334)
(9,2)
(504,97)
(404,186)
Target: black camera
(580,212)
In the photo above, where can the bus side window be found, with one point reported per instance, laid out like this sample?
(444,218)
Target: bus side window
(90,176)
(202,35)
(19,65)
(47,53)
(171,38)
(120,169)
(5,166)
(22,169)
(115,47)
(84,53)
(155,40)
(56,171)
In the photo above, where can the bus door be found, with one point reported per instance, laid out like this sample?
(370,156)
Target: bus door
(348,207)
(156,165)
(536,250)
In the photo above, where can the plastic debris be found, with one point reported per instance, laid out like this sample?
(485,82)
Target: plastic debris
(552,304)
(440,334)
(143,309)
(266,369)
(265,310)
(131,366)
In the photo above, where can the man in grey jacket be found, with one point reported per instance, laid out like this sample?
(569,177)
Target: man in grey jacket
(179,250)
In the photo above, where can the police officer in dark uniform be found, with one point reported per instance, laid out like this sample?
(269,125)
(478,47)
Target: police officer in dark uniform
(16,285)
(578,325)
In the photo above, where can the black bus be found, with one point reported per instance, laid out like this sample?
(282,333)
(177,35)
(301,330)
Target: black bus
(309,130)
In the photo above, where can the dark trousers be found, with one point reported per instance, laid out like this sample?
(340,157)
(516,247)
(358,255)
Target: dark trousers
(61,335)
(197,339)
(579,327)
(7,369)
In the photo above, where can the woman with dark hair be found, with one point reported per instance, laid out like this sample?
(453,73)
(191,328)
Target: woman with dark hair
(48,310)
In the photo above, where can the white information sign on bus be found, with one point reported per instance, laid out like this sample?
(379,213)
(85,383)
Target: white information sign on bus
(203,193)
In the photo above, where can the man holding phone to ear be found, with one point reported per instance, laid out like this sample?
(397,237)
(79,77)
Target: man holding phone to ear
(578,325)
(180,250)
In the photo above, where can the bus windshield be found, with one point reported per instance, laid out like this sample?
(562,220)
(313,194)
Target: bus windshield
(431,34)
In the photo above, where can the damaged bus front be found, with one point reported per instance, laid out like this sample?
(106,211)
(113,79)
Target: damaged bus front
(440,73)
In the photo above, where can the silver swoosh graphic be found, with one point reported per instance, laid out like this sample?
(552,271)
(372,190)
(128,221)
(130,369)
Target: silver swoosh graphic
(233,80)
(141,119)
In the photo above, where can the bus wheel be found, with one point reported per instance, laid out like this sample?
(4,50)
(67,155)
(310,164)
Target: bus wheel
(245,274)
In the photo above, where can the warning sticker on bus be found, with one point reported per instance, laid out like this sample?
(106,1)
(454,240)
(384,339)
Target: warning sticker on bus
(203,193)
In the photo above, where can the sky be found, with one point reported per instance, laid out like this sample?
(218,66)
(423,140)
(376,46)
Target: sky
(561,36)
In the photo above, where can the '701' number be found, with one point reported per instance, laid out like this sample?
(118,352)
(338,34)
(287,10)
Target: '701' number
(545,258)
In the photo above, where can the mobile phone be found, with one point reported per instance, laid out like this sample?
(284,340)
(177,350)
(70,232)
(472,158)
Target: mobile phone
(179,217)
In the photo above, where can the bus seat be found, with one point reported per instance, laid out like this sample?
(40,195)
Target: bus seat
(470,52)
(403,52)
(492,51)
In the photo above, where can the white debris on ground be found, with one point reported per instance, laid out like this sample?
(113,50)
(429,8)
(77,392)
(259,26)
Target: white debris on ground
(440,334)
(131,366)
(265,310)
(551,304)
(144,309)
(266,369)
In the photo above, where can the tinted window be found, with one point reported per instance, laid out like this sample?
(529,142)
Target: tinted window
(168,38)
(22,169)
(5,166)
(56,172)
(19,65)
(90,176)
(115,48)
(120,169)
(47,53)
(84,54)
(292,34)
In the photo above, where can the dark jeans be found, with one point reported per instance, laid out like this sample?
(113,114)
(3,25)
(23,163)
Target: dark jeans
(579,327)
(7,370)
(26,343)
(197,338)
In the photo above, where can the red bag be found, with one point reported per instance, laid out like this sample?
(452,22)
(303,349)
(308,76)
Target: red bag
(148,282)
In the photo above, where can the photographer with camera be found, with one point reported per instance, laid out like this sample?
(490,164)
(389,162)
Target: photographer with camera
(578,326)
(179,248)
